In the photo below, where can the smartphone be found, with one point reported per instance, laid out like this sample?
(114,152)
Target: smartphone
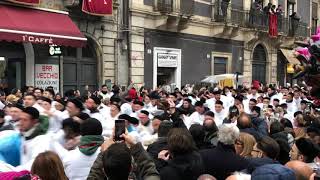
(120,128)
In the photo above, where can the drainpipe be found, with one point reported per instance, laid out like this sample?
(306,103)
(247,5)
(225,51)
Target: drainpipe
(127,27)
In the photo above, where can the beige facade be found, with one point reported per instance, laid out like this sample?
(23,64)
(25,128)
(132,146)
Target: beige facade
(145,16)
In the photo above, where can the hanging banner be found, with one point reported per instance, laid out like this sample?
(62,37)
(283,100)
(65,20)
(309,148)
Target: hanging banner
(273,25)
(47,75)
(26,2)
(97,7)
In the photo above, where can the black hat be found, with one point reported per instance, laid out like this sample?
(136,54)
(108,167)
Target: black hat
(239,98)
(60,101)
(33,112)
(71,124)
(46,100)
(96,99)
(130,119)
(138,102)
(91,126)
(83,116)
(198,104)
(145,112)
(154,95)
(307,147)
(77,103)
(17,105)
(209,113)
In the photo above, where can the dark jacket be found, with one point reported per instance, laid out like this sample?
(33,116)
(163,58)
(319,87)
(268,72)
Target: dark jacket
(261,125)
(185,111)
(222,161)
(146,168)
(154,149)
(257,162)
(257,135)
(183,167)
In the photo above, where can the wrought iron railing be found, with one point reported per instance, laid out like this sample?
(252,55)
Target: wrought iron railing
(258,20)
(164,6)
(302,30)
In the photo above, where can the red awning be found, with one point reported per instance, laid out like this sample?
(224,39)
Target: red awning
(38,26)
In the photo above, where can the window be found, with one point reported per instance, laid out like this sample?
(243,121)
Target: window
(290,7)
(314,17)
(220,65)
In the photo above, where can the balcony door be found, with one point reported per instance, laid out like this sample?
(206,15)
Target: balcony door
(259,64)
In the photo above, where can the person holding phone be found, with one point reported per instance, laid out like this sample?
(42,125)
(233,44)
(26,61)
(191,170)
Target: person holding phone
(115,160)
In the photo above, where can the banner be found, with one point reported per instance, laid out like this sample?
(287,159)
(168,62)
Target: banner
(26,2)
(47,75)
(97,7)
(273,25)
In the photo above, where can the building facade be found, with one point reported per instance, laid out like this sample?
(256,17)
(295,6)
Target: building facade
(162,42)
(207,38)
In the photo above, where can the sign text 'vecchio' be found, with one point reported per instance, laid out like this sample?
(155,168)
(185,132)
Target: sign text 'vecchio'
(47,75)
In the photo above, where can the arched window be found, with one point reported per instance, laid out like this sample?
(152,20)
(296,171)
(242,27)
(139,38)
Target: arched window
(259,63)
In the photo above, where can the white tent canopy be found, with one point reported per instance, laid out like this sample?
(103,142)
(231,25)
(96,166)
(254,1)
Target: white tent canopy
(220,77)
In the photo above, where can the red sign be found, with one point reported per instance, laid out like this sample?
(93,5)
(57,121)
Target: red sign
(97,7)
(273,25)
(26,2)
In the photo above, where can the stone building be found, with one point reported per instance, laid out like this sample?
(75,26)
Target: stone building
(157,42)
(205,38)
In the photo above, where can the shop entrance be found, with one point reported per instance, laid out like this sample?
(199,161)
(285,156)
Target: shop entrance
(12,66)
(166,76)
(167,67)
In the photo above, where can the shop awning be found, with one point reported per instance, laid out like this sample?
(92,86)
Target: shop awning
(22,24)
(290,56)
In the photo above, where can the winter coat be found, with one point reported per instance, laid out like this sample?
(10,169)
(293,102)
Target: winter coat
(154,149)
(261,125)
(254,163)
(222,161)
(183,167)
(146,168)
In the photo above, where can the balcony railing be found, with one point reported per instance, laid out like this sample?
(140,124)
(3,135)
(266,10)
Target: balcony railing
(258,20)
(164,6)
(302,30)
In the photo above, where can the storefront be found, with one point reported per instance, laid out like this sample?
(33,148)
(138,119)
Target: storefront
(32,43)
(176,59)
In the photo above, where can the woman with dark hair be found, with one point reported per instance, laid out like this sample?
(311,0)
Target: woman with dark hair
(48,166)
(184,162)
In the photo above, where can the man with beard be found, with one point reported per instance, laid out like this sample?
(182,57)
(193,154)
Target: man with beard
(105,93)
(92,104)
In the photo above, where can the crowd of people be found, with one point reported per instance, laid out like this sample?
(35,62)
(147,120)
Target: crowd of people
(257,132)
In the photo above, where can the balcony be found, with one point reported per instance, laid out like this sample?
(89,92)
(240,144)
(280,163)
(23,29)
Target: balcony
(164,6)
(237,16)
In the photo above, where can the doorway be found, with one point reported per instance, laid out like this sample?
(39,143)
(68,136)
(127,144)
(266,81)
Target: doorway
(166,67)
(259,64)
(12,66)
(80,68)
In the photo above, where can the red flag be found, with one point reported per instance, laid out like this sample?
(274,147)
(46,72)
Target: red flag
(26,2)
(97,7)
(273,25)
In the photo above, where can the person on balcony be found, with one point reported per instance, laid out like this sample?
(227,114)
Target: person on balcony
(266,12)
(224,7)
(294,23)
(279,12)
